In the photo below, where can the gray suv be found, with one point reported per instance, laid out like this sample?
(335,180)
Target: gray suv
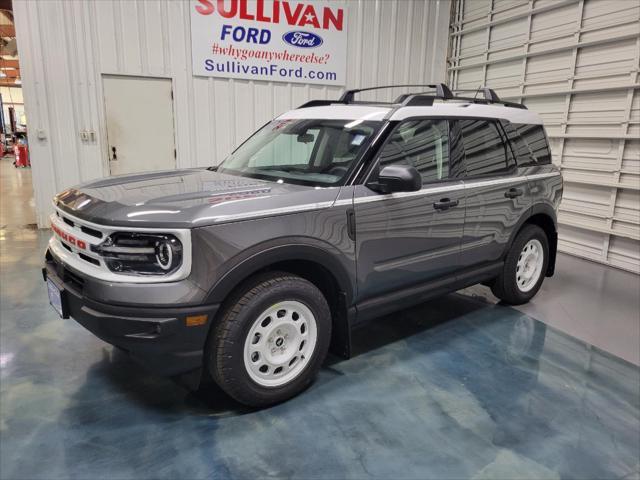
(330,215)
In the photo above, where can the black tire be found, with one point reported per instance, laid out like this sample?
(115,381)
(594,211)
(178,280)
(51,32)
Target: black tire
(225,351)
(505,286)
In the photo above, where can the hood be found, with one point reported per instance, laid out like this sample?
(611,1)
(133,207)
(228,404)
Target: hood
(187,199)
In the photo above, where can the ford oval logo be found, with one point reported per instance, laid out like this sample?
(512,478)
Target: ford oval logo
(301,39)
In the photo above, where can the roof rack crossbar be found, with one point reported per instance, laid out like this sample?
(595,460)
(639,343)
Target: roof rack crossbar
(490,96)
(490,102)
(442,91)
(488,93)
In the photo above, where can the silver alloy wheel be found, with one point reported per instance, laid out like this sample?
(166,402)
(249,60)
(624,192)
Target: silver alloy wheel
(280,343)
(529,266)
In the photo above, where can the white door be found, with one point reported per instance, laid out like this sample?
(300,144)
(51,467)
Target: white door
(140,133)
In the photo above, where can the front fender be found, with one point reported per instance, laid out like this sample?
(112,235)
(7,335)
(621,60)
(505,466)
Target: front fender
(261,256)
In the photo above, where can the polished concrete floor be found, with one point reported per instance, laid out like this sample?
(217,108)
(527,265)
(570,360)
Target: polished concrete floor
(460,387)
(17,205)
(589,301)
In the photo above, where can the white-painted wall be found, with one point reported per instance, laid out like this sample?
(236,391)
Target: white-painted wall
(66,46)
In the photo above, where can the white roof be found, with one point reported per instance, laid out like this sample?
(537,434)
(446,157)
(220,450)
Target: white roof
(444,109)
(452,109)
(338,111)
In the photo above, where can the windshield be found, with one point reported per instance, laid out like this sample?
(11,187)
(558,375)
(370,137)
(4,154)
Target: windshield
(308,152)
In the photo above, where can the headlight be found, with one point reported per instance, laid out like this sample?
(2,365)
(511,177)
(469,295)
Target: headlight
(141,253)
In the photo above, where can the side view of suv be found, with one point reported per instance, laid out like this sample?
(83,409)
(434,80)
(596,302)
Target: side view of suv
(330,215)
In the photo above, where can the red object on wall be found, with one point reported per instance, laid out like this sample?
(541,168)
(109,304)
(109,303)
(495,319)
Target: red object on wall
(22,155)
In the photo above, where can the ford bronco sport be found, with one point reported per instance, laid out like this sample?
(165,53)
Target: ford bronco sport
(331,214)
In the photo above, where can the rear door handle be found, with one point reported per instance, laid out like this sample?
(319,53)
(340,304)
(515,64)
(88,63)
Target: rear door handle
(445,203)
(514,192)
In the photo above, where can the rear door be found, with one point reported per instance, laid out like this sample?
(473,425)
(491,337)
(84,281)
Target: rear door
(496,190)
(404,239)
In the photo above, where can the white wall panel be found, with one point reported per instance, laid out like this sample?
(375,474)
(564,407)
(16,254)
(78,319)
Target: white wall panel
(576,63)
(66,46)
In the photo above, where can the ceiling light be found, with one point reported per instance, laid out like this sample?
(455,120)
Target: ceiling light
(3,75)
(18,81)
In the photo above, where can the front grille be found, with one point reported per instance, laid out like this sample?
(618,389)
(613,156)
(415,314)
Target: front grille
(91,231)
(71,239)
(88,247)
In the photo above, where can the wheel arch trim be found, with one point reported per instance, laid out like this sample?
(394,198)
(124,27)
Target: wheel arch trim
(264,257)
(536,211)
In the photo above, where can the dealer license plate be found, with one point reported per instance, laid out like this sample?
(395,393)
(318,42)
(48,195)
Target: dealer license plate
(55,297)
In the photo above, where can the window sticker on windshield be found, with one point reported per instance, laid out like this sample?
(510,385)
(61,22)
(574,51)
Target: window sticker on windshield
(357,139)
(279,124)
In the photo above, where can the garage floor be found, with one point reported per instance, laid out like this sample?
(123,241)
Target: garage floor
(458,388)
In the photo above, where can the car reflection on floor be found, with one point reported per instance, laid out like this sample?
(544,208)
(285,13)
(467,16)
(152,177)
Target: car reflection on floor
(458,387)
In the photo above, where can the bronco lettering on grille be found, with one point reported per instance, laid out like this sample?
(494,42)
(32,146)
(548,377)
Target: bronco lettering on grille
(70,239)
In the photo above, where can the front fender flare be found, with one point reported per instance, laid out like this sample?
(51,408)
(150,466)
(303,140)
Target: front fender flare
(263,255)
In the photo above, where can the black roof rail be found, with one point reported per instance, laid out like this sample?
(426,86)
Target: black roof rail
(324,103)
(490,102)
(412,100)
(442,91)
(318,103)
(422,99)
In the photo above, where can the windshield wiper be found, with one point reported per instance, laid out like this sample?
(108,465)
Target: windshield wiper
(294,170)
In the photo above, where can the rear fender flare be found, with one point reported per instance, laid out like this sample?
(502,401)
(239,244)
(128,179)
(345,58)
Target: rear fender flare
(548,211)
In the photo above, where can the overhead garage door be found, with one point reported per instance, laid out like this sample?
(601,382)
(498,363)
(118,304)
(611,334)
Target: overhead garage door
(576,63)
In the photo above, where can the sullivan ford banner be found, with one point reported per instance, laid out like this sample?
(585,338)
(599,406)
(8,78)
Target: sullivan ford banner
(273,40)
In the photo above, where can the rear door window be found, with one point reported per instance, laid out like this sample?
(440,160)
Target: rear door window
(535,142)
(486,150)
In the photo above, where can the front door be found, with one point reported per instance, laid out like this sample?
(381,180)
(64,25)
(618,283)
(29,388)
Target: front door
(139,117)
(407,238)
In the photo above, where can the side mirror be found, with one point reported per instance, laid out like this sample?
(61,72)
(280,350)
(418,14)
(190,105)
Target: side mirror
(397,178)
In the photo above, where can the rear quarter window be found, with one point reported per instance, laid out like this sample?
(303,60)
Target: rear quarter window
(532,142)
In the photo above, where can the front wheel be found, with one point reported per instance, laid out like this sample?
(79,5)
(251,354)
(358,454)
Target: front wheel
(271,340)
(524,268)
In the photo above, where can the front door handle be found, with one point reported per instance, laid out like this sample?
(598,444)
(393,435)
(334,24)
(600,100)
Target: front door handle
(514,192)
(445,203)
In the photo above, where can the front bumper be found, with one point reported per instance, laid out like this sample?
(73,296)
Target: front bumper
(157,337)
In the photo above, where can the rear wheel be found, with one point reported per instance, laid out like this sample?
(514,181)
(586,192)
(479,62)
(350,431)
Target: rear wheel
(524,268)
(271,340)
